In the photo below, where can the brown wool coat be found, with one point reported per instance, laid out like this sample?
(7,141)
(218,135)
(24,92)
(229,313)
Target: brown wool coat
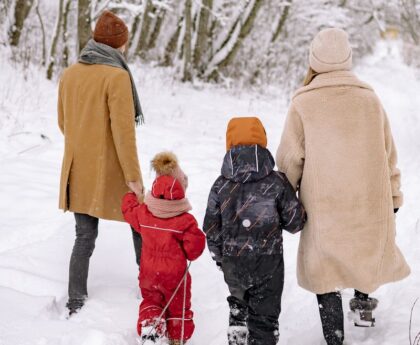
(337,148)
(96,116)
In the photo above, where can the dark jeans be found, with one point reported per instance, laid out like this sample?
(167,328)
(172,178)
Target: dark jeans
(256,285)
(332,318)
(86,234)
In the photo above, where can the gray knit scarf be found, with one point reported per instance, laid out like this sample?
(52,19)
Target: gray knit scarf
(96,53)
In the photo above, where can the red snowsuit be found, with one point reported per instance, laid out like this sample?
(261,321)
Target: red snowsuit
(167,245)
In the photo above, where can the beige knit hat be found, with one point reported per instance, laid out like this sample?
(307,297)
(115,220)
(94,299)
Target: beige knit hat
(330,51)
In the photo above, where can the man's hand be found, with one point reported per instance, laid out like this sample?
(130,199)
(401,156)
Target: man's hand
(138,189)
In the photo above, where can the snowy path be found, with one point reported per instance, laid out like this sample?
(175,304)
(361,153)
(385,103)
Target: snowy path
(36,238)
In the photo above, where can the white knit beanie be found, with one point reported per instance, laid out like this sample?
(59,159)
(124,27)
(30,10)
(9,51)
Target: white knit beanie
(330,51)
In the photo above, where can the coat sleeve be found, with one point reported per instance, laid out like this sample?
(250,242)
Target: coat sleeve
(290,155)
(394,172)
(213,225)
(130,207)
(193,240)
(121,108)
(292,213)
(60,108)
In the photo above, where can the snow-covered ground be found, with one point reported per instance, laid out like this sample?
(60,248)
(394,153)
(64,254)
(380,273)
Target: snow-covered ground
(36,238)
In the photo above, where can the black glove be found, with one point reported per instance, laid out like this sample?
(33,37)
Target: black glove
(396,210)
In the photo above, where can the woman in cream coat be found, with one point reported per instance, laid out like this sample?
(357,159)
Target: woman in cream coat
(337,150)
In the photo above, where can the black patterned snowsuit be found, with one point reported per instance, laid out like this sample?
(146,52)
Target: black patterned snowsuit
(249,205)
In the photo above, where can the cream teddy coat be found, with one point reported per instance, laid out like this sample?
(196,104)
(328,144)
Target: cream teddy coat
(337,149)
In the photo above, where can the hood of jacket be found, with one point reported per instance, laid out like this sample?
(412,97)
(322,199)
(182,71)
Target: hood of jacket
(247,163)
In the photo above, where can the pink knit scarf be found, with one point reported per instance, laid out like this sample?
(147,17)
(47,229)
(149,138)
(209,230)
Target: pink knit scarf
(162,208)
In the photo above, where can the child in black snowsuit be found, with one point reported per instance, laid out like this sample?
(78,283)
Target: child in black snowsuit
(249,205)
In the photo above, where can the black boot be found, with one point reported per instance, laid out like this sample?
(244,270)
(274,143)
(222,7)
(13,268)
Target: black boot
(74,305)
(237,335)
(363,307)
(332,318)
(238,330)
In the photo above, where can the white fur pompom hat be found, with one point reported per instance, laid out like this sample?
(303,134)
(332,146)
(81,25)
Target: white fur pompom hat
(330,51)
(166,163)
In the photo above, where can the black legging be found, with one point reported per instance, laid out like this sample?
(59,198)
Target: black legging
(332,318)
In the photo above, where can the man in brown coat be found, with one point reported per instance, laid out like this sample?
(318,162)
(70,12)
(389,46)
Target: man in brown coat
(97,110)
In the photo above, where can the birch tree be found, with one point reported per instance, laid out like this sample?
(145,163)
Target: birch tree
(41,23)
(145,28)
(282,21)
(410,19)
(65,33)
(172,44)
(410,24)
(21,12)
(187,74)
(203,34)
(53,49)
(84,31)
(157,27)
(233,41)
(134,29)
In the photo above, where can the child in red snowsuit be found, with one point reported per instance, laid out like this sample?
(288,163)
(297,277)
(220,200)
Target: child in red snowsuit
(170,237)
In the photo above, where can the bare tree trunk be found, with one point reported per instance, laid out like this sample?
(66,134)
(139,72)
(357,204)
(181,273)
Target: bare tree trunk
(265,60)
(22,9)
(282,22)
(84,31)
(41,23)
(410,19)
(145,28)
(212,34)
(65,33)
(221,59)
(187,75)
(232,29)
(4,8)
(172,44)
(156,29)
(56,36)
(202,41)
(134,29)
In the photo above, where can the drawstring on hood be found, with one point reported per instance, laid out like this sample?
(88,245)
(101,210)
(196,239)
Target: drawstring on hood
(247,163)
(247,158)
